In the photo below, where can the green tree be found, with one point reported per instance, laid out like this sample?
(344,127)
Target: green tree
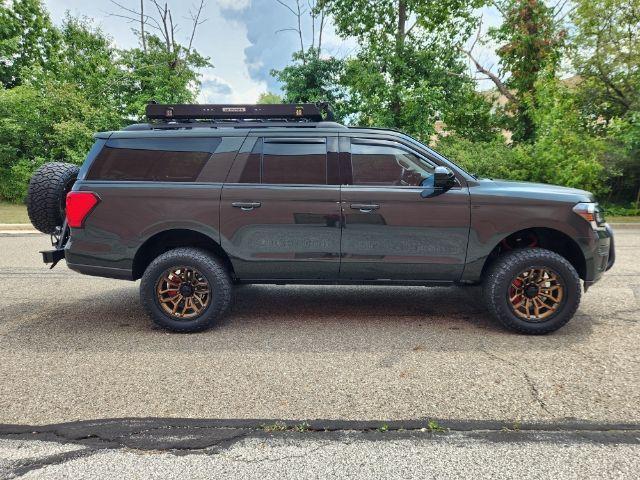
(162,68)
(82,85)
(606,56)
(49,122)
(160,74)
(530,40)
(492,159)
(565,151)
(311,78)
(85,57)
(269,98)
(407,73)
(530,43)
(27,39)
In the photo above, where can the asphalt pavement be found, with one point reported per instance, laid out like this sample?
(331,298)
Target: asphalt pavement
(75,348)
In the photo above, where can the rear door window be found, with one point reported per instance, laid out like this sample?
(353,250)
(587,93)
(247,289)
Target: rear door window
(282,161)
(294,161)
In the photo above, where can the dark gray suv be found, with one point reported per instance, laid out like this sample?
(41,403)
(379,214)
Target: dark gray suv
(206,196)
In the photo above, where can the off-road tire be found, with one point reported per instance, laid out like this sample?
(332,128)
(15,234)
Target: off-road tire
(46,197)
(502,272)
(206,264)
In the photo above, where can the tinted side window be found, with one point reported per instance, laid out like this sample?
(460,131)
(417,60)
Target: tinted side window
(251,171)
(145,160)
(377,164)
(290,162)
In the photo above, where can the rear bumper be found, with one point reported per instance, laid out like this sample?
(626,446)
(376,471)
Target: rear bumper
(99,271)
(52,256)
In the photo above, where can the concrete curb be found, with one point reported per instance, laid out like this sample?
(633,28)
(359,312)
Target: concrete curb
(16,226)
(625,226)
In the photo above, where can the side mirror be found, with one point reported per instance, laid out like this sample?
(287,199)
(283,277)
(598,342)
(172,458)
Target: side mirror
(444,178)
(441,181)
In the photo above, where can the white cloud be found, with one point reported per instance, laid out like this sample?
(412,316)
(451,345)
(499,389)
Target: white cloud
(233,4)
(215,89)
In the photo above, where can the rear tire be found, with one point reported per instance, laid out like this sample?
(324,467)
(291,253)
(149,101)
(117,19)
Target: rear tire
(175,282)
(508,271)
(47,194)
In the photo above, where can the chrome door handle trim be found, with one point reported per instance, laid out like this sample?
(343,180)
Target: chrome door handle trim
(246,206)
(365,207)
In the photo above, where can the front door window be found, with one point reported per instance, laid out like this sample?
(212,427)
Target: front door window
(375,164)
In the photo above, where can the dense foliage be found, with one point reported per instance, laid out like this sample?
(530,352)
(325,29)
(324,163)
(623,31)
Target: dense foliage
(61,84)
(565,108)
(407,73)
(311,78)
(577,126)
(529,42)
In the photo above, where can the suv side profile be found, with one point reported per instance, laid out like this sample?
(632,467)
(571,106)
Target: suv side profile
(207,196)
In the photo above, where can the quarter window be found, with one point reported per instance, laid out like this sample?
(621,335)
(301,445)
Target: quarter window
(147,160)
(387,164)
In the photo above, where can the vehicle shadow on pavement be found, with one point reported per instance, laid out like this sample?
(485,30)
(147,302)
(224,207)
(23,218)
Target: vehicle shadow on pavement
(290,318)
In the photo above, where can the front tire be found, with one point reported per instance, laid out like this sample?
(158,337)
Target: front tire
(185,290)
(532,290)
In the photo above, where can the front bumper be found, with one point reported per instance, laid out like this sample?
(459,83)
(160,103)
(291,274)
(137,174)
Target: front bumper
(603,256)
(612,250)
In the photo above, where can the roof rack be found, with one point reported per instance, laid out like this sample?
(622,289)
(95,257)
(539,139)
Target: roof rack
(189,125)
(309,112)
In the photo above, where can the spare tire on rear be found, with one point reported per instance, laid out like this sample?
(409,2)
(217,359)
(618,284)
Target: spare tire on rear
(46,198)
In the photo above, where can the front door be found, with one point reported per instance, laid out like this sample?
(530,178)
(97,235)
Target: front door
(279,214)
(390,232)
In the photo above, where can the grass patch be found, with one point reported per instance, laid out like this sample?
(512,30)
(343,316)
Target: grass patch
(274,427)
(618,219)
(283,427)
(301,427)
(11,213)
(435,427)
(383,428)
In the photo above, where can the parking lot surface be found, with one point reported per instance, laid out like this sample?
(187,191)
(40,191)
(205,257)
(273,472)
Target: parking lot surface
(347,455)
(74,348)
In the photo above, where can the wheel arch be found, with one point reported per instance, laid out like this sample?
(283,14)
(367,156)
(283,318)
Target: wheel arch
(543,237)
(174,238)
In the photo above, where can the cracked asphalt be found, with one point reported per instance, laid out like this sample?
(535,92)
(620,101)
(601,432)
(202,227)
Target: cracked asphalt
(76,348)
(161,449)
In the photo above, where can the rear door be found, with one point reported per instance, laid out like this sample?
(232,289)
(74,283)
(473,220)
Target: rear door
(390,232)
(280,209)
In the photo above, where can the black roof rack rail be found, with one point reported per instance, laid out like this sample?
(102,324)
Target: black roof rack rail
(189,125)
(296,111)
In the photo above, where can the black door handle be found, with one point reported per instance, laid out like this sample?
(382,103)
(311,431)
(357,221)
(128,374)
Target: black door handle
(365,207)
(246,206)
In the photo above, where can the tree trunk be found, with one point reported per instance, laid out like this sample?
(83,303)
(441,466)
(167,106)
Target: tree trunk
(396,103)
(142,34)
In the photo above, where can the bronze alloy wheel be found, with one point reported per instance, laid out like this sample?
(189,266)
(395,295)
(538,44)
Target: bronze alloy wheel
(183,292)
(536,294)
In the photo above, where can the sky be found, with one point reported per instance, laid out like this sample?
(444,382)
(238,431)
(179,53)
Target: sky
(240,36)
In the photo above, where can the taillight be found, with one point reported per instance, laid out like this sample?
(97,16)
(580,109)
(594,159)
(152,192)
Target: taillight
(79,205)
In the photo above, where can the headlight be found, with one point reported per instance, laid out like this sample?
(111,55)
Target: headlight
(591,213)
